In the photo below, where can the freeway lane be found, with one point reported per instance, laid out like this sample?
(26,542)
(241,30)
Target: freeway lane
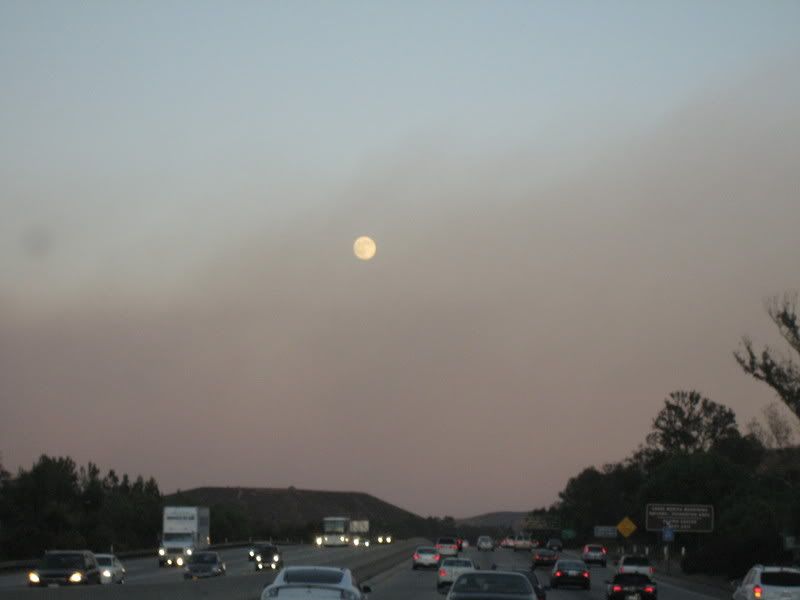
(402,583)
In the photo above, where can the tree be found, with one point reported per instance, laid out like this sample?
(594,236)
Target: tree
(782,374)
(690,422)
(777,433)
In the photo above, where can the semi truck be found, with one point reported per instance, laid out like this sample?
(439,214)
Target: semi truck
(185,530)
(343,531)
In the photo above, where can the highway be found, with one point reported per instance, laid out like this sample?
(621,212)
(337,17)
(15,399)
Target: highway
(394,581)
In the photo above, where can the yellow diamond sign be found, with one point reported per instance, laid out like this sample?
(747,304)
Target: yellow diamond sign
(626,527)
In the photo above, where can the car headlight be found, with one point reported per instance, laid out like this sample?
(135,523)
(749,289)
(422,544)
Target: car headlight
(161,552)
(76,577)
(260,566)
(179,561)
(319,541)
(252,553)
(389,539)
(366,543)
(33,577)
(356,542)
(380,539)
(274,566)
(169,561)
(188,552)
(106,573)
(258,557)
(341,538)
(276,558)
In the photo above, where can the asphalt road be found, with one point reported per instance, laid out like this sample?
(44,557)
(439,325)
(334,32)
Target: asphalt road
(403,583)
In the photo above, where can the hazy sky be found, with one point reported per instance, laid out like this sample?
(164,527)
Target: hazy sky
(579,207)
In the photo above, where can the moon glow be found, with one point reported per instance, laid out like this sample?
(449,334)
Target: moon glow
(365,248)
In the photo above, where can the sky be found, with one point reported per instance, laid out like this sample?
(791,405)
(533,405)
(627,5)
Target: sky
(578,209)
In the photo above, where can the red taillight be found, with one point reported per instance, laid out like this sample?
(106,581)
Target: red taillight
(586,574)
(616,588)
(622,569)
(586,549)
(442,573)
(652,570)
(438,546)
(649,590)
(416,556)
(558,573)
(605,551)
(436,557)
(757,591)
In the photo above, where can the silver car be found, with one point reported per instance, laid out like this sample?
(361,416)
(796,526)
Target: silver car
(595,553)
(425,557)
(450,569)
(779,583)
(316,582)
(111,569)
(485,543)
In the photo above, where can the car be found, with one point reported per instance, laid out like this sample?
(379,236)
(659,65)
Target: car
(450,569)
(268,557)
(769,582)
(635,563)
(485,543)
(65,567)
(492,585)
(315,582)
(555,544)
(595,553)
(507,542)
(538,588)
(251,552)
(628,586)
(447,546)
(384,539)
(522,541)
(570,572)
(425,557)
(111,569)
(543,557)
(202,565)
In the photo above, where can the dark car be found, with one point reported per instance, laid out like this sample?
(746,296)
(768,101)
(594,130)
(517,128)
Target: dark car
(203,565)
(631,585)
(268,557)
(538,587)
(493,585)
(555,544)
(543,557)
(570,572)
(65,567)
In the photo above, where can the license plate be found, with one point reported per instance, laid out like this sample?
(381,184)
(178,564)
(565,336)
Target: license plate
(572,573)
(632,597)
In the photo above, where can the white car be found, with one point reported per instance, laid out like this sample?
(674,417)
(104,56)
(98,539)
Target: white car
(451,568)
(522,542)
(485,543)
(425,557)
(447,546)
(311,583)
(631,563)
(595,553)
(111,569)
(769,583)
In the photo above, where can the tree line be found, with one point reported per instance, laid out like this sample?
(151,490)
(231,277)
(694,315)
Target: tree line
(696,453)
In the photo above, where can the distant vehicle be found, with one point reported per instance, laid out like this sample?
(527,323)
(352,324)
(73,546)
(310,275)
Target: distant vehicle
(315,582)
(450,569)
(268,557)
(425,557)
(185,530)
(543,557)
(595,553)
(204,564)
(385,539)
(359,532)
(464,543)
(769,582)
(65,567)
(485,543)
(507,542)
(631,563)
(522,541)
(632,585)
(251,552)
(447,546)
(555,544)
(570,572)
(335,532)
(111,569)
(492,585)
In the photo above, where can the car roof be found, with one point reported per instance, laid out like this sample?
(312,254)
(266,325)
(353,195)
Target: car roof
(345,573)
(778,569)
(104,555)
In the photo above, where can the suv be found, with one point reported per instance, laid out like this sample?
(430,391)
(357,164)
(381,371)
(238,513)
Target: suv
(769,582)
(631,563)
(595,553)
(447,546)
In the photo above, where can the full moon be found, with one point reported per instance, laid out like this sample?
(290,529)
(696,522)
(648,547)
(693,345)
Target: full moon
(364,248)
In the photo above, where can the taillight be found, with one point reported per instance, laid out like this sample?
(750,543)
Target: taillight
(586,574)
(436,557)
(616,588)
(757,591)
(652,570)
(416,556)
(605,551)
(442,573)
(558,573)
(586,549)
(649,590)
(622,569)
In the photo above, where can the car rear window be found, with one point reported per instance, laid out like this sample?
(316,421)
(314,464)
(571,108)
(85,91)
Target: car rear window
(571,565)
(594,548)
(493,583)
(636,561)
(456,562)
(632,579)
(326,576)
(447,541)
(426,550)
(781,578)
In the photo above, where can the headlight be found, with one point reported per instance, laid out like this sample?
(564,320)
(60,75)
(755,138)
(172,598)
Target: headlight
(319,541)
(380,539)
(188,552)
(341,538)
(366,543)
(389,539)
(258,557)
(33,577)
(106,573)
(260,566)
(273,566)
(76,577)
(161,552)
(252,553)
(356,542)
(179,561)
(276,558)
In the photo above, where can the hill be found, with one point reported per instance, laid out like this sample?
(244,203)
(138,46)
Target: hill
(503,520)
(280,509)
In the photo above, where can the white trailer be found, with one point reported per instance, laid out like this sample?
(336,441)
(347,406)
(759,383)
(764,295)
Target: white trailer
(185,529)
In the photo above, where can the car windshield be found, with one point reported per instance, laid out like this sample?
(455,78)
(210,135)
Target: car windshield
(267,549)
(427,550)
(636,561)
(781,578)
(496,583)
(594,548)
(545,552)
(178,537)
(104,561)
(63,561)
(318,576)
(203,558)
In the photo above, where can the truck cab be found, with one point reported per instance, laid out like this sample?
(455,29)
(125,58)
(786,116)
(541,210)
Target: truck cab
(185,531)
